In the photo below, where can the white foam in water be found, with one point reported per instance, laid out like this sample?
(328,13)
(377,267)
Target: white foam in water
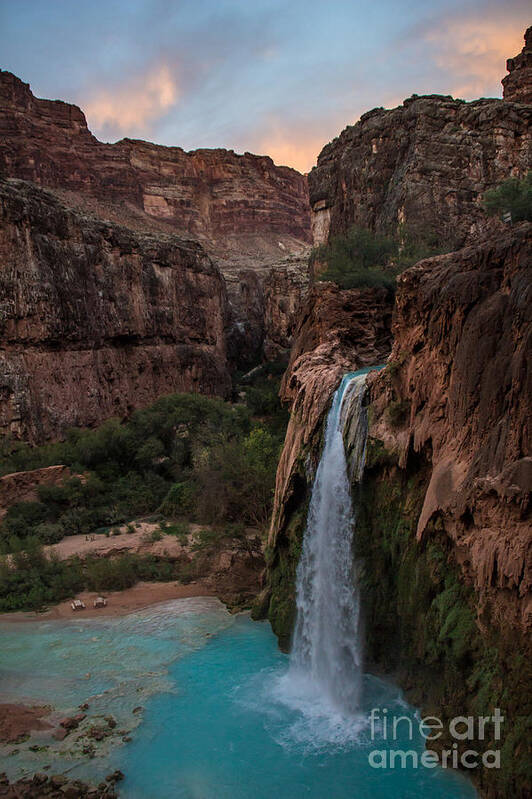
(324,679)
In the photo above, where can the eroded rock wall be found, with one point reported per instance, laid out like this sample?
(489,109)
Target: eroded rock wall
(458,391)
(445,527)
(97,319)
(423,165)
(251,216)
(209,193)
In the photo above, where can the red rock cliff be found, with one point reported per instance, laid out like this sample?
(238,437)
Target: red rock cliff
(461,374)
(98,319)
(424,164)
(207,193)
(250,215)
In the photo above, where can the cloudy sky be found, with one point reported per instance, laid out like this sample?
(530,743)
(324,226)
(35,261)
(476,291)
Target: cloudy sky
(281,78)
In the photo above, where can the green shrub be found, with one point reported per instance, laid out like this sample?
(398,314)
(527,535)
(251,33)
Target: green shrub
(513,196)
(110,574)
(179,529)
(206,538)
(179,500)
(359,259)
(49,533)
(398,412)
(21,519)
(237,479)
(157,460)
(362,258)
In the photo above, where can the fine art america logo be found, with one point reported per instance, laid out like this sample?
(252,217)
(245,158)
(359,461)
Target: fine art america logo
(388,728)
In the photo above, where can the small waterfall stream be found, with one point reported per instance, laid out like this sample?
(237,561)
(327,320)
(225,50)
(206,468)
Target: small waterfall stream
(327,645)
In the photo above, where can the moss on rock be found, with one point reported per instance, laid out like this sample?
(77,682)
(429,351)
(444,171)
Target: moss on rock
(422,624)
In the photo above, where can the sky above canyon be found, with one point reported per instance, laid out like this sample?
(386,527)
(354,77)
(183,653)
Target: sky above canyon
(275,78)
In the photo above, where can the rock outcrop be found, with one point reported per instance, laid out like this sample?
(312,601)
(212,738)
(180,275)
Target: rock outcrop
(517,86)
(212,194)
(285,288)
(57,786)
(423,166)
(98,319)
(22,486)
(444,519)
(249,214)
(459,386)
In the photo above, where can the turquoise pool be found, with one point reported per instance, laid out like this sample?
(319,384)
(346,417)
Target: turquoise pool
(218,719)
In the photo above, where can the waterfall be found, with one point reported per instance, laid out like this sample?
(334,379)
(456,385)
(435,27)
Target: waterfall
(327,645)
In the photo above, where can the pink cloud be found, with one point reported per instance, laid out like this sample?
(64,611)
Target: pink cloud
(133,105)
(474,51)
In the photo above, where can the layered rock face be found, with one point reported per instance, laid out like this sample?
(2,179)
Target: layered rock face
(423,165)
(207,193)
(98,319)
(444,523)
(460,382)
(130,311)
(250,215)
(517,86)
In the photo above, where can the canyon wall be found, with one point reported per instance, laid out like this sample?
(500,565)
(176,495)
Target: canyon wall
(69,357)
(445,530)
(422,166)
(250,215)
(207,193)
(98,319)
(457,392)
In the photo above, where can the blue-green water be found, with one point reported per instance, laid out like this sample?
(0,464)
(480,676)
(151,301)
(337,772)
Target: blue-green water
(219,720)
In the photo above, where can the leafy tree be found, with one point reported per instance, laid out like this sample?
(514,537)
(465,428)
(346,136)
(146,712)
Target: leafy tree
(154,459)
(363,258)
(513,196)
(359,259)
(237,479)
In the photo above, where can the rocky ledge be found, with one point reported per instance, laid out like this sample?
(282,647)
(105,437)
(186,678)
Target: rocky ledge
(58,786)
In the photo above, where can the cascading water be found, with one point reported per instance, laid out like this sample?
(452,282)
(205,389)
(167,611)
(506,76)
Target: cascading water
(327,646)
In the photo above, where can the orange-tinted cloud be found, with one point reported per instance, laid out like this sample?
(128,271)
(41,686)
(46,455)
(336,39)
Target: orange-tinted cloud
(133,105)
(290,148)
(474,52)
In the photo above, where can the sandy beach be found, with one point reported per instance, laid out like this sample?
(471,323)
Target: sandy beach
(119,603)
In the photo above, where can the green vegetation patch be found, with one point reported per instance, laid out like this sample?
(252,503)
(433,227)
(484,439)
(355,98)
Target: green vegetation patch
(513,197)
(362,258)
(186,456)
